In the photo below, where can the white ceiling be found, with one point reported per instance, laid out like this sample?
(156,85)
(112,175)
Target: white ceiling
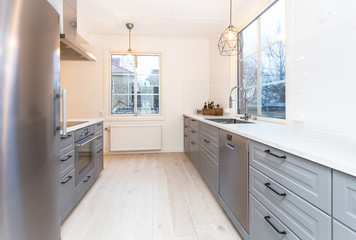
(170,18)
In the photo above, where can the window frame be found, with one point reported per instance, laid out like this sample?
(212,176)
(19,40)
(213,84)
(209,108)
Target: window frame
(109,88)
(257,53)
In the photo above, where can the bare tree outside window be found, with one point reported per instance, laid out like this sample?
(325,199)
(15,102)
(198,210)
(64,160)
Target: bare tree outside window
(262,64)
(135,84)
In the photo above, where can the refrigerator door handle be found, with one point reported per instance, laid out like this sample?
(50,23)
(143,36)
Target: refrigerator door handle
(64,111)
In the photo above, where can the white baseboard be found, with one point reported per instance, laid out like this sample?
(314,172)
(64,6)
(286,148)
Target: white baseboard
(167,150)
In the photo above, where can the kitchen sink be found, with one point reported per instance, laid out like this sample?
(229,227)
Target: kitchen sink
(227,120)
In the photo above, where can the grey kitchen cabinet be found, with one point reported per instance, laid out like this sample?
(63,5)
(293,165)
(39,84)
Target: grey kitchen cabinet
(194,124)
(66,193)
(98,155)
(186,120)
(309,180)
(289,208)
(67,163)
(344,199)
(186,143)
(341,232)
(265,226)
(67,175)
(209,170)
(99,163)
(194,151)
(210,132)
(84,186)
(66,143)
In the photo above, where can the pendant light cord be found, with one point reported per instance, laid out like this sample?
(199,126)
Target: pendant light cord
(130,39)
(230,12)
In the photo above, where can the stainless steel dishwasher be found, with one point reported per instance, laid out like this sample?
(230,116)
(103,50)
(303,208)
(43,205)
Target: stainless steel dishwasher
(233,175)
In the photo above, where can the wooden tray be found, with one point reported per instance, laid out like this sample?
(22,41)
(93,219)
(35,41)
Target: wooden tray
(214,112)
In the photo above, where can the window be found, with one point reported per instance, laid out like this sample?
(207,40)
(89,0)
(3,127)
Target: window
(261,64)
(135,84)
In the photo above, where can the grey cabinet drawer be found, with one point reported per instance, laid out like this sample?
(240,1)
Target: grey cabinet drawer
(84,186)
(99,161)
(209,171)
(66,143)
(99,128)
(67,163)
(304,219)
(186,121)
(186,143)
(186,130)
(261,229)
(344,198)
(210,148)
(309,180)
(99,141)
(342,232)
(194,151)
(210,132)
(66,195)
(194,134)
(195,124)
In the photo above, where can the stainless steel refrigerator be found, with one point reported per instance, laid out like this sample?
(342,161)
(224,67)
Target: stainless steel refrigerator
(29,120)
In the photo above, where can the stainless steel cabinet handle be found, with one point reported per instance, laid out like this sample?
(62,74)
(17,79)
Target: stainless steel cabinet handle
(82,144)
(274,155)
(66,136)
(185,135)
(68,157)
(193,120)
(69,178)
(185,126)
(206,140)
(193,143)
(64,111)
(193,131)
(280,232)
(230,146)
(268,185)
(87,179)
(99,151)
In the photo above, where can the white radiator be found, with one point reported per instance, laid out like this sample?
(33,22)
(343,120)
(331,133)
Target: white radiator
(135,138)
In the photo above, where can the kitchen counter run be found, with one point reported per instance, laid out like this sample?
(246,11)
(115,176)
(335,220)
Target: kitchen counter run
(79,126)
(337,152)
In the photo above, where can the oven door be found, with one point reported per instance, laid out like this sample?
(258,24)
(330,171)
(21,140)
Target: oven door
(84,157)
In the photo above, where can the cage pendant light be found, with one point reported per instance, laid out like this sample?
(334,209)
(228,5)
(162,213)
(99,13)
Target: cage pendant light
(129,61)
(230,42)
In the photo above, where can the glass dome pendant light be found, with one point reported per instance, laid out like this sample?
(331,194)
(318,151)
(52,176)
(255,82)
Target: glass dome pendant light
(230,42)
(129,60)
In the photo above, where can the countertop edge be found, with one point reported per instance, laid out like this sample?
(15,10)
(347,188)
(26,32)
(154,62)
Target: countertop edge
(82,125)
(345,163)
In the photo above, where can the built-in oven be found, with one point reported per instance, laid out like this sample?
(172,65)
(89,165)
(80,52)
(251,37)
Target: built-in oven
(84,153)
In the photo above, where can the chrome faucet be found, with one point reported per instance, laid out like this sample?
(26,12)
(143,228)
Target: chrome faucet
(245,116)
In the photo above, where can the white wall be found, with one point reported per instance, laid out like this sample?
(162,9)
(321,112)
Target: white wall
(184,83)
(321,58)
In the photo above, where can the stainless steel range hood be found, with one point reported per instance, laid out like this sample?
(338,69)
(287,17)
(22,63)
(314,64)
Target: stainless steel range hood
(70,49)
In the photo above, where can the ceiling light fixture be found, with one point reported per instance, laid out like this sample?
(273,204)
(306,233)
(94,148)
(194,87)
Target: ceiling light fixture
(230,42)
(129,60)
(129,27)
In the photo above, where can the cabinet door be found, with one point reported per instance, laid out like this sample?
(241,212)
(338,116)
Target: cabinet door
(342,232)
(265,226)
(209,171)
(195,153)
(99,161)
(66,196)
(186,143)
(309,180)
(344,198)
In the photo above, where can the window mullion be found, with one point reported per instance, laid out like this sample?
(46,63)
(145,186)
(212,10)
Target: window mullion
(135,87)
(259,67)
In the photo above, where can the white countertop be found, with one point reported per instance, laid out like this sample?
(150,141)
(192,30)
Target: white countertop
(79,126)
(333,151)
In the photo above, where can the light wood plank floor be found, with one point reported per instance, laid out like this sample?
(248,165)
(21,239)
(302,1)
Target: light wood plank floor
(149,196)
